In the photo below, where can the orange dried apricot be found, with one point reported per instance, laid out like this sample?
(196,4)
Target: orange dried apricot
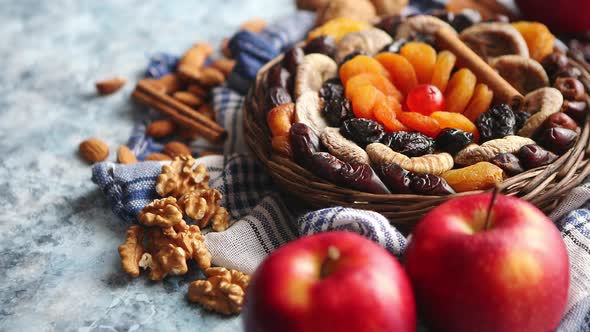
(480,102)
(445,62)
(280,118)
(282,145)
(539,39)
(400,70)
(363,98)
(457,121)
(385,112)
(361,64)
(379,81)
(422,57)
(460,90)
(422,123)
(338,28)
(480,176)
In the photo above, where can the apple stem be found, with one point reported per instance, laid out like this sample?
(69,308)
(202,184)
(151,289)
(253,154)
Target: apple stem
(492,202)
(332,256)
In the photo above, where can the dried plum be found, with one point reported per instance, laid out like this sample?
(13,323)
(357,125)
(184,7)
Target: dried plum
(558,140)
(569,71)
(497,122)
(292,59)
(323,44)
(278,77)
(533,156)
(430,184)
(577,110)
(326,166)
(396,178)
(362,131)
(521,118)
(570,88)
(453,140)
(412,144)
(277,96)
(304,143)
(554,63)
(560,120)
(363,178)
(336,107)
(509,163)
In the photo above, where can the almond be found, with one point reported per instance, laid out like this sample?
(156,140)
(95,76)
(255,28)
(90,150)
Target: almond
(187,98)
(211,76)
(175,148)
(156,156)
(111,85)
(155,84)
(254,25)
(171,83)
(125,155)
(198,91)
(161,128)
(224,65)
(94,150)
(196,55)
(225,48)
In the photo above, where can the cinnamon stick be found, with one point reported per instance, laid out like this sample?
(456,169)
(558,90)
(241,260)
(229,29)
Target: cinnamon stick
(503,91)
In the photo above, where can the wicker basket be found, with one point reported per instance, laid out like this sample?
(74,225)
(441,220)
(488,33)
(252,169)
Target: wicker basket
(543,186)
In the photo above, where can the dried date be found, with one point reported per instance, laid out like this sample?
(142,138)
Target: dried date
(304,143)
(396,178)
(509,163)
(430,184)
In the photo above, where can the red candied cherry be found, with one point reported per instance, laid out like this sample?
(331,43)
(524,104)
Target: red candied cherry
(425,99)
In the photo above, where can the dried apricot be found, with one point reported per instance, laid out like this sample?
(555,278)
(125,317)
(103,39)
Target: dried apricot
(338,28)
(280,118)
(539,39)
(480,102)
(385,111)
(363,98)
(361,64)
(400,70)
(421,123)
(460,90)
(457,121)
(422,57)
(379,81)
(445,62)
(282,145)
(480,176)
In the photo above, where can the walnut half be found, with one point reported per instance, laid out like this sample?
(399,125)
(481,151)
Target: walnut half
(223,291)
(132,250)
(181,176)
(163,212)
(203,207)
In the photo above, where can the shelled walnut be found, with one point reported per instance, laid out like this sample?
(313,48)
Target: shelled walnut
(163,212)
(203,206)
(179,177)
(223,291)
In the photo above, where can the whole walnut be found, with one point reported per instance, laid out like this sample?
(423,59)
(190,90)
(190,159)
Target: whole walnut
(389,7)
(362,10)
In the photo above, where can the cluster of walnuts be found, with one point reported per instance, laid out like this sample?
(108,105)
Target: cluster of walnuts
(165,242)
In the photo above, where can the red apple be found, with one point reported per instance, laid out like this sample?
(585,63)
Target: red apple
(335,281)
(509,275)
(562,16)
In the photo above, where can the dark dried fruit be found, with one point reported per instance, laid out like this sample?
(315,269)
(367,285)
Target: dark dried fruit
(521,119)
(362,131)
(292,59)
(465,19)
(390,24)
(430,184)
(336,107)
(569,71)
(395,47)
(554,63)
(560,120)
(580,49)
(323,44)
(396,178)
(558,140)
(304,143)
(277,96)
(509,163)
(533,156)
(350,56)
(412,144)
(570,88)
(577,110)
(326,166)
(453,140)
(497,122)
(363,178)
(278,77)
(442,14)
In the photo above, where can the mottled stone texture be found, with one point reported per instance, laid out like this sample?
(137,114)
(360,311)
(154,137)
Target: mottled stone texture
(59,267)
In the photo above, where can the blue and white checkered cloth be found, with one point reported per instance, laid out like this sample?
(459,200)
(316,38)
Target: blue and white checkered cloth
(263,220)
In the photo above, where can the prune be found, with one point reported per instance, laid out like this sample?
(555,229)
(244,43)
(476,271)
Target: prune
(326,166)
(323,44)
(390,24)
(509,163)
(278,77)
(292,59)
(560,120)
(277,96)
(362,131)
(497,122)
(412,144)
(453,140)
(350,56)
(304,143)
(336,108)
(558,140)
(533,156)
(521,119)
(577,110)
(465,19)
(395,47)
(430,184)
(569,71)
(570,88)
(395,178)
(554,63)
(363,178)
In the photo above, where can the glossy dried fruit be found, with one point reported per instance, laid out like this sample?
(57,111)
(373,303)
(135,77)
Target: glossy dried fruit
(533,156)
(395,178)
(509,163)
(521,118)
(304,143)
(560,120)
(363,99)
(460,90)
(453,140)
(430,184)
(465,19)
(280,118)
(336,108)
(422,57)
(400,70)
(481,176)
(293,57)
(362,131)
(385,112)
(282,145)
(538,38)
(361,64)
(380,82)
(363,178)
(421,123)
(326,166)
(277,96)
(577,110)
(445,62)
(457,121)
(351,56)
(554,63)
(425,99)
(480,102)
(278,77)
(409,143)
(498,122)
(569,71)
(571,88)
(338,28)
(323,44)
(558,140)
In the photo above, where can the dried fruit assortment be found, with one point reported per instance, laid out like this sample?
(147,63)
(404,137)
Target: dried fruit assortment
(396,114)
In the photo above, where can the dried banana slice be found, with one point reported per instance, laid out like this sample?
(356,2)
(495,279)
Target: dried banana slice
(494,39)
(524,74)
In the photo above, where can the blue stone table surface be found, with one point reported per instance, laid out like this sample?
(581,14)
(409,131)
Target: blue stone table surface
(59,266)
